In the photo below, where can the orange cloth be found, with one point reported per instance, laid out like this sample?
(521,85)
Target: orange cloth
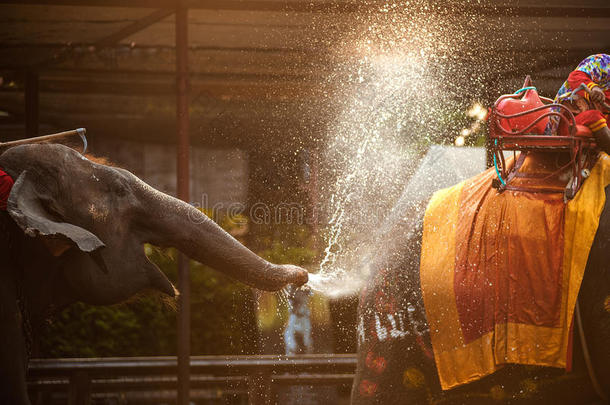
(500,273)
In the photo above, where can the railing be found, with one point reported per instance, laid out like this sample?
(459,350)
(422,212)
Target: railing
(231,379)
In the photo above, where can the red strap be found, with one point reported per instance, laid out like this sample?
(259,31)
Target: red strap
(6,184)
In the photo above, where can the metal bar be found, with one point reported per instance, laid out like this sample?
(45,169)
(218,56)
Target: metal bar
(182,104)
(84,46)
(184,331)
(31,104)
(228,84)
(234,364)
(455,8)
(80,131)
(80,389)
(563,58)
(116,383)
(259,388)
(182,182)
(313,379)
(256,376)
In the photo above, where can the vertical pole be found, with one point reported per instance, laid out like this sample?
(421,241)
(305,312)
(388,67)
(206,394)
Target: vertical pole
(259,388)
(31,104)
(79,389)
(182,112)
(314,195)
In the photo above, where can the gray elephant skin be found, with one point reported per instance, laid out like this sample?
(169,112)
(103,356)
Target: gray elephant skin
(395,358)
(75,230)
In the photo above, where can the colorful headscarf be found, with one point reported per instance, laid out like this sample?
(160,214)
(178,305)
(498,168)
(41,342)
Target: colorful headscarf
(597,67)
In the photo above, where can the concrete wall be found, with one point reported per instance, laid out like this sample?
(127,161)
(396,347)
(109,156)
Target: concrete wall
(219,177)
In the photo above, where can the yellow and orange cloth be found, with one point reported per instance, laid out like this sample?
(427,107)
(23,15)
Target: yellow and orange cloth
(500,273)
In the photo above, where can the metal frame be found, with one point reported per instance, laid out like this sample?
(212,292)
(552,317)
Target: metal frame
(32,90)
(582,149)
(333,6)
(256,376)
(182,182)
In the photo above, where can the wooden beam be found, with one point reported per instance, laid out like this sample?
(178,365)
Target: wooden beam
(31,104)
(182,186)
(161,59)
(451,8)
(222,130)
(226,90)
(276,85)
(251,5)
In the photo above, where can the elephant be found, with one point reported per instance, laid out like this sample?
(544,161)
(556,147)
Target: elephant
(395,360)
(74,230)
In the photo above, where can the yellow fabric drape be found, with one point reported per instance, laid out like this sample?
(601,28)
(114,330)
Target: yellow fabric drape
(459,358)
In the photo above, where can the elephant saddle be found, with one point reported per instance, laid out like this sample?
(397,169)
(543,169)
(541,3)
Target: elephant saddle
(500,272)
(6,184)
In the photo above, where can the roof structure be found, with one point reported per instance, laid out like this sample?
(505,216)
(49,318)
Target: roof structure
(258,68)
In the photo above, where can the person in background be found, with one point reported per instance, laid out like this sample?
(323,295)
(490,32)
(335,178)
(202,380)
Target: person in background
(297,335)
(590,107)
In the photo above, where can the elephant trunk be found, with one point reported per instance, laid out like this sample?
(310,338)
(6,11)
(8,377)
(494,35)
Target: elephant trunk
(180,225)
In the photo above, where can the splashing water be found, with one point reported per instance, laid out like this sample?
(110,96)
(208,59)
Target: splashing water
(371,162)
(386,86)
(282,296)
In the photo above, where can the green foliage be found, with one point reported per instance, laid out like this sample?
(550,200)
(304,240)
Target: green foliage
(139,328)
(279,253)
(289,243)
(290,247)
(222,316)
(222,320)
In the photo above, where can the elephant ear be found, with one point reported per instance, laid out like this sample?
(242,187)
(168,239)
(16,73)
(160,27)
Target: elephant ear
(26,207)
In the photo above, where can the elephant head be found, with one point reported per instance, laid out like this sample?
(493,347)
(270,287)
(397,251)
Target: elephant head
(97,219)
